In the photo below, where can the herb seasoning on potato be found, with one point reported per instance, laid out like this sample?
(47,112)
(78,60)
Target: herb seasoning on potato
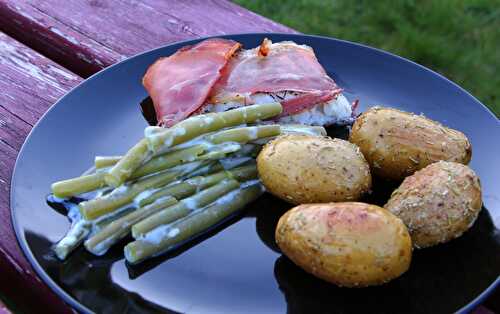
(312,169)
(437,203)
(397,143)
(349,244)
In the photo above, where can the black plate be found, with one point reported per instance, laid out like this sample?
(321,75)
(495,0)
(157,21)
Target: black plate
(239,269)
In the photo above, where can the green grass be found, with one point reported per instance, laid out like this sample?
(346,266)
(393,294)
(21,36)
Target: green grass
(457,38)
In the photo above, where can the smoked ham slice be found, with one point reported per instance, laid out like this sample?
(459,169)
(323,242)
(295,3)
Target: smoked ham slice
(180,84)
(215,73)
(272,68)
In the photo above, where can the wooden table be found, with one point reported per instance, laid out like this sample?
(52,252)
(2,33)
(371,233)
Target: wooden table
(47,48)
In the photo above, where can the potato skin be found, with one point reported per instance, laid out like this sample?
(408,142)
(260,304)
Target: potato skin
(311,169)
(349,244)
(397,143)
(437,203)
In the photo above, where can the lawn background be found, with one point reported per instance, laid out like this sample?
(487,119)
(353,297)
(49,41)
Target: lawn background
(457,38)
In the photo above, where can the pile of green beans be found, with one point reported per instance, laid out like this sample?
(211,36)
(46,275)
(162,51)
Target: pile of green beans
(172,185)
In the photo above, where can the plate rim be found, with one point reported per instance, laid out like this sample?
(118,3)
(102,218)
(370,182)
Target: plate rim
(67,298)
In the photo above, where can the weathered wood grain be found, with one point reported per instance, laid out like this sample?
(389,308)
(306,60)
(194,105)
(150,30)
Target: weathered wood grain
(85,36)
(49,36)
(29,83)
(225,17)
(13,130)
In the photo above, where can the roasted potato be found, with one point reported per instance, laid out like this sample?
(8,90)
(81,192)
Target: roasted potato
(397,143)
(349,244)
(437,203)
(311,169)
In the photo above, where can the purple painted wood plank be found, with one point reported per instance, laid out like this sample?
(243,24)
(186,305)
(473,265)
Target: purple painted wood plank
(30,84)
(168,21)
(4,309)
(126,30)
(13,130)
(85,36)
(54,39)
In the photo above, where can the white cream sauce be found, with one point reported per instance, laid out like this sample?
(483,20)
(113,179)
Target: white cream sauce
(157,235)
(143,195)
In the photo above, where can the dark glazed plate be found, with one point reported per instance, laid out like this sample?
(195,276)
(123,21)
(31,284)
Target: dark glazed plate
(238,269)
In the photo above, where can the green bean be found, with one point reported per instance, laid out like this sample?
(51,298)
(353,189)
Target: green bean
(169,160)
(105,220)
(201,124)
(182,132)
(244,173)
(79,185)
(106,161)
(127,164)
(76,234)
(211,166)
(221,151)
(123,195)
(164,238)
(245,134)
(184,207)
(95,181)
(100,242)
(184,189)
(179,191)
(248,150)
(189,187)
(216,167)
